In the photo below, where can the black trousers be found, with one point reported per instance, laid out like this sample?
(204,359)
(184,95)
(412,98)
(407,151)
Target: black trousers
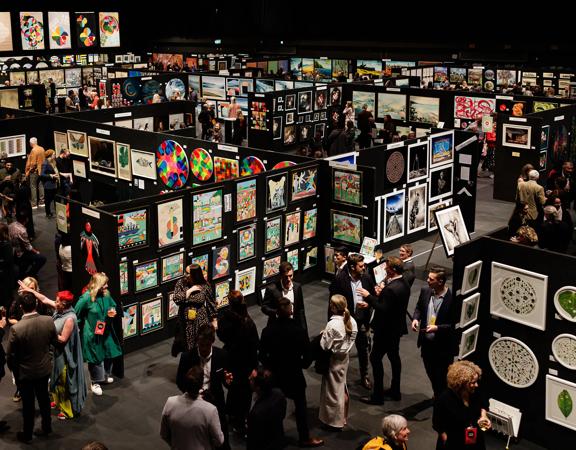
(30,389)
(298,396)
(49,196)
(239,399)
(436,363)
(363,347)
(385,345)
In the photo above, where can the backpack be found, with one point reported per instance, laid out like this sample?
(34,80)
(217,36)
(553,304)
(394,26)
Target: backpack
(376,443)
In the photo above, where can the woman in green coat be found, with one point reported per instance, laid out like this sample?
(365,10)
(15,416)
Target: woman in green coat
(96,310)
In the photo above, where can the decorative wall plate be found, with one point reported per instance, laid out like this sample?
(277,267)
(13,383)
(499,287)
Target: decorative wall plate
(564,350)
(565,302)
(513,362)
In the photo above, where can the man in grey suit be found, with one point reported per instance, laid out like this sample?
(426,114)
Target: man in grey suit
(30,359)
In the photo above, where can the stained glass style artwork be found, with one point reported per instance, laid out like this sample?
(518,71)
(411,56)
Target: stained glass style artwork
(251,165)
(513,362)
(201,164)
(172,164)
(132,229)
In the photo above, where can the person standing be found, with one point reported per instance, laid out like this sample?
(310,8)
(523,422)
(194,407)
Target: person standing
(50,178)
(65,170)
(233,108)
(7,272)
(365,125)
(30,358)
(405,254)
(27,258)
(531,193)
(32,172)
(340,258)
(348,112)
(205,119)
(52,95)
(434,320)
(239,129)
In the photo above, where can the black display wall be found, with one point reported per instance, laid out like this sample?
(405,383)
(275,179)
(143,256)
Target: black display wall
(19,131)
(531,400)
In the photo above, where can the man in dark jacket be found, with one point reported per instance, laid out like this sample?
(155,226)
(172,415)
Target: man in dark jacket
(3,424)
(365,125)
(205,118)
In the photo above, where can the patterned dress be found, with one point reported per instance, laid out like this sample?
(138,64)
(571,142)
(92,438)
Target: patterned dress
(196,310)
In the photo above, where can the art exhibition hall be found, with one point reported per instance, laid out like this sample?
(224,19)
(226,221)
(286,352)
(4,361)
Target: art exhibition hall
(268,226)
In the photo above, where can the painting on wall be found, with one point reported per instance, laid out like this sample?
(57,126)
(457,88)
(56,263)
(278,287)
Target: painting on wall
(172,164)
(123,276)
(207,216)
(123,161)
(452,228)
(145,275)
(221,262)
(518,295)
(424,109)
(5,32)
(109,25)
(469,312)
(130,320)
(86,29)
(329,263)
(59,30)
(369,67)
(77,143)
(247,242)
(565,302)
(394,223)
(346,227)
(60,141)
(473,107)
(12,146)
(245,200)
(560,400)
(202,261)
(245,281)
(304,183)
(391,104)
(132,229)
(102,156)
(524,372)
(359,99)
(201,164)
(172,307)
(276,192)
(151,314)
(347,186)
(304,102)
(518,136)
(170,218)
(292,228)
(418,161)
(214,87)
(221,291)
(468,341)
(225,169)
(172,267)
(293,258)
(79,168)
(32,30)
(271,267)
(309,227)
(273,234)
(310,258)
(441,148)
(417,208)
(471,277)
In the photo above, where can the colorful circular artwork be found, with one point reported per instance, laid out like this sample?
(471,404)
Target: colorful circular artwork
(202,165)
(87,36)
(32,31)
(131,88)
(251,165)
(172,164)
(60,36)
(109,25)
(173,86)
(283,165)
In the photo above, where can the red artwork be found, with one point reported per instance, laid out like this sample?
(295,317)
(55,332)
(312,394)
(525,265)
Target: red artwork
(473,107)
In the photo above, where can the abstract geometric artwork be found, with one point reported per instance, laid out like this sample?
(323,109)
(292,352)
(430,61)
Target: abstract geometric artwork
(424,109)
(417,161)
(417,208)
(151,314)
(346,227)
(518,295)
(225,169)
(172,267)
(32,30)
(102,156)
(441,148)
(86,29)
(145,275)
(394,215)
(207,217)
(132,229)
(565,302)
(245,200)
(59,30)
(276,192)
(251,165)
(246,281)
(513,362)
(304,183)
(77,143)
(109,29)
(5,32)
(292,228)
(452,228)
(395,167)
(564,350)
(468,341)
(273,234)
(123,161)
(201,164)
(247,242)
(469,311)
(172,164)
(471,277)
(143,164)
(170,223)
(310,220)
(560,399)
(130,320)
(347,186)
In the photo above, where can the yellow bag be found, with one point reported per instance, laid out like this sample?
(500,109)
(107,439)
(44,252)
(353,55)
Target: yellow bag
(376,443)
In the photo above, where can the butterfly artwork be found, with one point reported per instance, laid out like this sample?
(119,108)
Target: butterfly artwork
(77,143)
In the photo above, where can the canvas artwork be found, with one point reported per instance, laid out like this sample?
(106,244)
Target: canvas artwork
(12,146)
(123,277)
(170,223)
(424,109)
(471,277)
(335,96)
(251,165)
(320,129)
(290,103)
(432,225)
(293,258)
(417,211)
(123,161)
(130,320)
(86,30)
(214,87)
(264,85)
(359,99)
(175,89)
(518,295)
(109,29)
(518,136)
(102,156)
(225,169)
(220,262)
(346,227)
(292,228)
(418,161)
(201,164)
(59,30)
(9,97)
(560,400)
(61,217)
(172,307)
(505,77)
(271,267)
(221,291)
(441,148)
(277,127)
(151,314)
(468,341)
(32,30)
(543,106)
(347,186)
(304,132)
(132,229)
(457,74)
(304,183)
(565,302)
(310,220)
(369,67)
(473,107)
(60,141)
(246,281)
(564,350)
(304,102)
(245,200)
(452,228)
(79,168)
(172,267)
(258,112)
(513,362)
(329,264)
(77,143)
(394,215)
(440,182)
(393,105)
(5,32)
(289,119)
(172,164)
(276,192)
(469,312)
(247,242)
(289,134)
(320,99)
(544,137)
(145,275)
(202,261)
(310,258)
(207,216)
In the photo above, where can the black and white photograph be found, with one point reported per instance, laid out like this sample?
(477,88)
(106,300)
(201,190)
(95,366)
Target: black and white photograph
(452,228)
(417,208)
(417,161)
(440,182)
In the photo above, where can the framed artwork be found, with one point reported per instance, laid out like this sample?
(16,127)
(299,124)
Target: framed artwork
(277,127)
(109,24)
(172,308)
(452,228)
(544,137)
(289,118)
(225,169)
(513,362)
(564,350)
(86,29)
(359,99)
(310,220)
(395,167)
(245,200)
(6,32)
(304,183)
(172,267)
(290,104)
(247,242)
(380,272)
(145,275)
(13,146)
(289,134)
(471,277)
(565,302)
(469,312)
(394,224)
(346,227)
(273,234)
(320,98)
(170,217)
(263,85)
(79,168)
(221,291)
(292,228)
(151,314)
(214,87)
(468,341)
(207,216)
(246,281)
(304,102)
(271,266)
(417,208)
(251,165)
(123,161)
(560,399)
(391,104)
(432,225)
(293,258)
(310,258)
(518,295)
(143,164)
(441,148)
(202,261)
(60,141)
(172,164)
(347,186)
(304,132)
(123,277)
(440,182)
(220,262)
(32,30)
(424,109)
(130,320)
(132,229)
(418,161)
(77,143)
(61,217)
(276,193)
(518,136)
(329,264)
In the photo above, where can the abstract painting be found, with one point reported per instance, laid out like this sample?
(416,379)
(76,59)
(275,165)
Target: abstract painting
(59,30)
(247,242)
(417,211)
(469,312)
(5,32)
(172,164)
(418,161)
(214,87)
(441,148)
(424,109)
(564,350)
(292,228)
(565,302)
(251,165)
(452,228)
(145,275)
(273,234)
(32,30)
(513,362)
(77,143)
(304,183)
(560,400)
(394,215)
(123,161)
(276,192)
(471,277)
(346,227)
(73,78)
(264,85)
(271,267)
(172,267)
(109,29)
(225,169)
(130,320)
(347,186)
(518,136)
(310,220)
(473,107)
(246,281)
(151,314)
(440,182)
(468,341)
(132,229)
(86,30)
(175,90)
(221,291)
(143,164)
(123,277)
(245,200)
(207,217)
(393,105)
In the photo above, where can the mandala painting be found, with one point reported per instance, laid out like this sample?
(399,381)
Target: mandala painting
(251,165)
(513,362)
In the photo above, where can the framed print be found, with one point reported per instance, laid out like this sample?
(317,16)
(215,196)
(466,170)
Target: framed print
(220,262)
(60,141)
(469,312)
(304,102)
(518,136)
(329,264)
(246,281)
(221,291)
(77,143)
(290,104)
(6,32)
(289,118)
(310,220)
(304,133)
(292,228)
(172,267)
(109,24)
(418,161)
(471,277)
(347,186)
(145,275)
(319,129)
(61,217)
(518,295)
(394,224)
(393,105)
(245,200)
(277,127)
(32,30)
(214,87)
(441,148)
(320,98)
(132,229)
(143,164)
(273,234)
(293,258)
(440,182)
(360,98)
(225,169)
(346,227)
(417,208)
(468,341)
(79,168)
(560,399)
(452,228)
(247,242)
(544,137)
(524,373)
(310,258)
(380,272)
(170,217)
(276,193)
(424,109)
(304,183)
(564,350)
(123,277)
(130,320)
(432,208)
(271,267)
(207,216)
(172,308)
(151,314)
(565,302)
(123,161)
(202,261)
(289,134)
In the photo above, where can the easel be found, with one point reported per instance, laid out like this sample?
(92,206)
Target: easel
(504,424)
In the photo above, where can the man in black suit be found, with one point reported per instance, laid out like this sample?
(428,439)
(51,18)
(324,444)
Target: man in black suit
(3,425)
(214,362)
(405,254)
(388,325)
(285,287)
(346,283)
(434,318)
(30,359)
(284,350)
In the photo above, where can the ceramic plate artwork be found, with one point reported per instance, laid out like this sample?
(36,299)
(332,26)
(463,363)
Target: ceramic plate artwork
(202,166)
(172,164)
(513,362)
(251,165)
(565,302)
(564,350)
(283,164)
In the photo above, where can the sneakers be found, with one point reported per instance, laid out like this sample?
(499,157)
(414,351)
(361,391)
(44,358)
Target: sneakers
(62,416)
(109,380)
(96,389)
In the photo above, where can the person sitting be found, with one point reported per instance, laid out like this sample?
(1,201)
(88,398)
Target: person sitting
(395,434)
(554,234)
(525,235)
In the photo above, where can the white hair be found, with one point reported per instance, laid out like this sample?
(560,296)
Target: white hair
(33,141)
(533,175)
(393,424)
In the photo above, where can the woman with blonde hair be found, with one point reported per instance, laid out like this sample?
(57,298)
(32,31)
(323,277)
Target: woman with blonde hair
(338,337)
(96,311)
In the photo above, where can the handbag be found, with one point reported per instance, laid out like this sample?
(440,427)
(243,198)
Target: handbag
(321,357)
